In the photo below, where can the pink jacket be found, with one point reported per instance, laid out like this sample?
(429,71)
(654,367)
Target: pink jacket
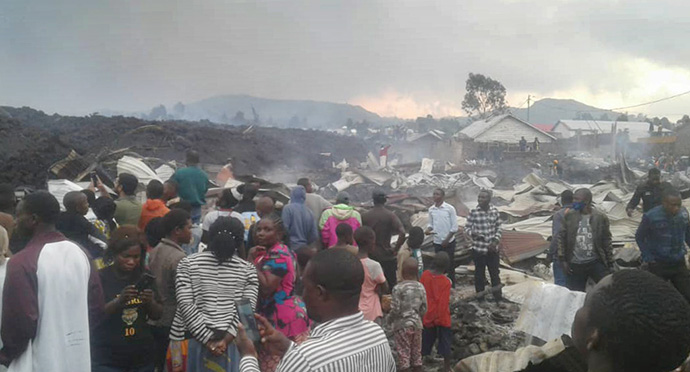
(331,218)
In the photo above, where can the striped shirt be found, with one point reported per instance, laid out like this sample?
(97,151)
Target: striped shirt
(206,292)
(347,344)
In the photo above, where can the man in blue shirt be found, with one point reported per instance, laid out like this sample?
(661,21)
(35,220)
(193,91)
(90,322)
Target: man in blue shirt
(192,184)
(662,236)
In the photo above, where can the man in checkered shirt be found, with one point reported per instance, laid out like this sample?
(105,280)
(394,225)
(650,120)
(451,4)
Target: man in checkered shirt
(483,230)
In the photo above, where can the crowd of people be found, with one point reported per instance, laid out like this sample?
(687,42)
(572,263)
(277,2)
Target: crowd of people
(160,285)
(582,249)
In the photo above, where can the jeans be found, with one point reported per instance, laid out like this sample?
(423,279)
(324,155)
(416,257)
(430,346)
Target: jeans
(106,368)
(577,281)
(490,260)
(676,273)
(196,214)
(450,249)
(559,276)
(390,271)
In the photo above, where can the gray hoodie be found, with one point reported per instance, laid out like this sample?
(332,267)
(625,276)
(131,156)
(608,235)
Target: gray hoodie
(299,221)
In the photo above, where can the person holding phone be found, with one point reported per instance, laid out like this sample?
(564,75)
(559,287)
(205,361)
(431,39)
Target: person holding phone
(207,286)
(123,340)
(276,265)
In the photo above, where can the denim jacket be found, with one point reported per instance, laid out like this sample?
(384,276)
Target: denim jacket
(661,237)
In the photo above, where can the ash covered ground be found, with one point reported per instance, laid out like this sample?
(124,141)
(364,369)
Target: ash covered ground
(31,141)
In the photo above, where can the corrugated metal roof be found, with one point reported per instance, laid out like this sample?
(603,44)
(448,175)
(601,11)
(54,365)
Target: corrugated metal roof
(605,126)
(478,127)
(544,127)
(433,133)
(518,246)
(636,129)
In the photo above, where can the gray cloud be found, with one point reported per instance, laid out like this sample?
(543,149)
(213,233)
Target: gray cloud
(80,56)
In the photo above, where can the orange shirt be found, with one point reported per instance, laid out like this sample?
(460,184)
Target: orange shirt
(437,288)
(151,209)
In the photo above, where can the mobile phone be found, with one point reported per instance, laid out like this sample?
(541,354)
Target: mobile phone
(94,178)
(145,282)
(246,313)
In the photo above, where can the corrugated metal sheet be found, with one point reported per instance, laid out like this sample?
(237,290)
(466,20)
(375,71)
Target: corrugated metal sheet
(518,246)
(549,311)
(544,127)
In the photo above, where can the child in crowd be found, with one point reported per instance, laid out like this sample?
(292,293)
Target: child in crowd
(374,280)
(437,318)
(345,238)
(412,248)
(407,309)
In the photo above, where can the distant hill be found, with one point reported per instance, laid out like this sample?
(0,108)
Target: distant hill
(550,110)
(244,110)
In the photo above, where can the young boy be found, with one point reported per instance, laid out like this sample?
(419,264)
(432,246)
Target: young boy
(374,280)
(412,248)
(407,309)
(437,318)
(345,239)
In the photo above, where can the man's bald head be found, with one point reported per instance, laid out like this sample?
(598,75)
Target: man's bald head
(410,269)
(265,206)
(583,194)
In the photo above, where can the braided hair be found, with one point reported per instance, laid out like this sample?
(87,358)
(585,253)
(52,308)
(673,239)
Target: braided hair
(225,237)
(643,322)
(122,239)
(277,223)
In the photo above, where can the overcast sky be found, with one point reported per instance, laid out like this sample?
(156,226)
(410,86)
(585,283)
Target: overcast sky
(395,57)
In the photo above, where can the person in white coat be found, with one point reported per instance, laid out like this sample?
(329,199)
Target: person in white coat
(51,292)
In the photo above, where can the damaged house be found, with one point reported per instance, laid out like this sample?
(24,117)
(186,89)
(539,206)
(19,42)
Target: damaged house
(499,132)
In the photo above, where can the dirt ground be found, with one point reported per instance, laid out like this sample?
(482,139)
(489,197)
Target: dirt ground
(31,141)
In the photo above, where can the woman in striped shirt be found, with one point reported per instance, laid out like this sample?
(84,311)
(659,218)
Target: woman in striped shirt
(207,285)
(277,270)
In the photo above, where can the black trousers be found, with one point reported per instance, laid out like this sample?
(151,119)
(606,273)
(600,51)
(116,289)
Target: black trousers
(450,249)
(390,271)
(675,272)
(490,260)
(161,338)
(577,281)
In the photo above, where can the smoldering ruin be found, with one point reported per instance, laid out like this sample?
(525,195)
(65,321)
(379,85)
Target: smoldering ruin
(59,152)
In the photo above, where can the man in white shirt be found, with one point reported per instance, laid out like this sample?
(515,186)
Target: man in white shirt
(443,224)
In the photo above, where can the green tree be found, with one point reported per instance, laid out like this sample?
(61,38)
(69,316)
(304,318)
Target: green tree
(684,121)
(484,97)
(622,117)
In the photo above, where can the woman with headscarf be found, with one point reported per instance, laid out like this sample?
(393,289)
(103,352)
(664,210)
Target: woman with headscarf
(276,265)
(207,285)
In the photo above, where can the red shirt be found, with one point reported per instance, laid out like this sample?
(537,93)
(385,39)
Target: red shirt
(437,288)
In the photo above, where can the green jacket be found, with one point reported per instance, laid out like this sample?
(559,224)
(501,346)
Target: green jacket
(601,236)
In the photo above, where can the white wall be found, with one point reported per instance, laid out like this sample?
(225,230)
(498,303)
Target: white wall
(564,132)
(510,130)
